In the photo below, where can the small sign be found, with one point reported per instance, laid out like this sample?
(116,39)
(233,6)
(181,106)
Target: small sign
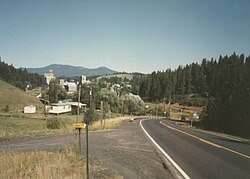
(79,125)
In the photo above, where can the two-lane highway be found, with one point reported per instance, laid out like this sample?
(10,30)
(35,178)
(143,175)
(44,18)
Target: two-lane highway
(199,154)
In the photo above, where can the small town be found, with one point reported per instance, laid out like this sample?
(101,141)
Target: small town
(124,89)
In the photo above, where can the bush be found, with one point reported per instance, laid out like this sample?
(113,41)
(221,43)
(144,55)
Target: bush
(7,108)
(53,123)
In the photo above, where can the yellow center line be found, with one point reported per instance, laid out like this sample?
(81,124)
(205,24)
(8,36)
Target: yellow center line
(206,141)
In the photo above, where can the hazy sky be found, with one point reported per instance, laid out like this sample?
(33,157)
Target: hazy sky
(124,35)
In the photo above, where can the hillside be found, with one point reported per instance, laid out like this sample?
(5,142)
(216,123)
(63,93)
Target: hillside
(19,77)
(70,71)
(15,98)
(120,75)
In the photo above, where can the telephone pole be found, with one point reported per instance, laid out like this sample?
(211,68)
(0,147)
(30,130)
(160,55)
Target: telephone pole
(79,98)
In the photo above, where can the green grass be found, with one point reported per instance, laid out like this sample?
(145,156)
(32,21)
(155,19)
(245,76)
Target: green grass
(16,99)
(12,127)
(15,127)
(19,127)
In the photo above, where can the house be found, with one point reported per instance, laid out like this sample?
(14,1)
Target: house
(31,109)
(57,108)
(62,107)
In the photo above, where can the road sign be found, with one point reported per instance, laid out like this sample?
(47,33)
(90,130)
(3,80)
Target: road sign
(79,125)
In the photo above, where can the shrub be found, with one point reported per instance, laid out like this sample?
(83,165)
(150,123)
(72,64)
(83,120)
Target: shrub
(53,123)
(7,108)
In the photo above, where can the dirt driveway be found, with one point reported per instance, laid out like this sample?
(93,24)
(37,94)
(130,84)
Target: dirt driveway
(125,150)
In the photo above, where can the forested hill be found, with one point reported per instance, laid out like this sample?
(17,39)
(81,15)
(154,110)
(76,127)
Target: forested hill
(224,82)
(18,77)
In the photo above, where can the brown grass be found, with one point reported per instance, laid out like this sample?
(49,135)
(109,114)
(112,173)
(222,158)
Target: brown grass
(108,123)
(64,163)
(16,99)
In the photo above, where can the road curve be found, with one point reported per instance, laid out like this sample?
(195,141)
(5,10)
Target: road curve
(200,154)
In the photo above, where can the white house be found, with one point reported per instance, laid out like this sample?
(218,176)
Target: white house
(58,108)
(62,107)
(31,109)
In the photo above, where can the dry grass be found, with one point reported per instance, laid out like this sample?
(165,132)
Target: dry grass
(16,99)
(40,165)
(176,110)
(15,127)
(108,123)
(175,116)
(64,163)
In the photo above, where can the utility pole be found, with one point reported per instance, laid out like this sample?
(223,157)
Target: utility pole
(79,98)
(102,112)
(164,101)
(87,136)
(87,151)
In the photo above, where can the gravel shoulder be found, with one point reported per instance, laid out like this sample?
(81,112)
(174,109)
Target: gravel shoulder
(125,150)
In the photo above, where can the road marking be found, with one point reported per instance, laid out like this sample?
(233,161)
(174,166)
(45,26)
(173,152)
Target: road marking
(165,154)
(206,141)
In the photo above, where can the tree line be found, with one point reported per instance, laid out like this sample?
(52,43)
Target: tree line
(222,86)
(19,77)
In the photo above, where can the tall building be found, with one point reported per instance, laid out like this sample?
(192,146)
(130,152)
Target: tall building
(49,76)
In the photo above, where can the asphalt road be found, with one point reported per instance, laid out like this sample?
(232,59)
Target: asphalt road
(125,150)
(200,154)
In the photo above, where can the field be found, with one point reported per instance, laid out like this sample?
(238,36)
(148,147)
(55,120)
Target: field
(15,127)
(56,163)
(13,99)
(175,110)
(128,76)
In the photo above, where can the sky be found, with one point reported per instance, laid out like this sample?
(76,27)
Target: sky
(124,35)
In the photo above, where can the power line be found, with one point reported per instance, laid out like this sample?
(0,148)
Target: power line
(21,39)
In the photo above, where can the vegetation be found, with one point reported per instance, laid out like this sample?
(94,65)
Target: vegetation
(117,77)
(57,163)
(13,99)
(54,123)
(19,77)
(109,123)
(222,85)
(55,91)
(15,127)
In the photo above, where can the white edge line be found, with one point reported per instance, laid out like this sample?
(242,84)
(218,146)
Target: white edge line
(164,153)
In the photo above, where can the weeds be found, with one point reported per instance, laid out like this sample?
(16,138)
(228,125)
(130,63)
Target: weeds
(57,163)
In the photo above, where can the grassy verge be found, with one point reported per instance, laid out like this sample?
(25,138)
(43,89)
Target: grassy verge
(108,123)
(63,163)
(15,127)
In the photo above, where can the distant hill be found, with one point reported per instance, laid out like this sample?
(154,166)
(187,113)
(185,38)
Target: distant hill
(70,71)
(15,98)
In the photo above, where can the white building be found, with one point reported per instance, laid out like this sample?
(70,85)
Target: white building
(31,109)
(84,80)
(62,107)
(71,87)
(57,108)
(49,76)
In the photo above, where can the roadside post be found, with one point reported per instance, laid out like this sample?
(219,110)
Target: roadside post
(79,127)
(87,150)
(79,98)
(89,116)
